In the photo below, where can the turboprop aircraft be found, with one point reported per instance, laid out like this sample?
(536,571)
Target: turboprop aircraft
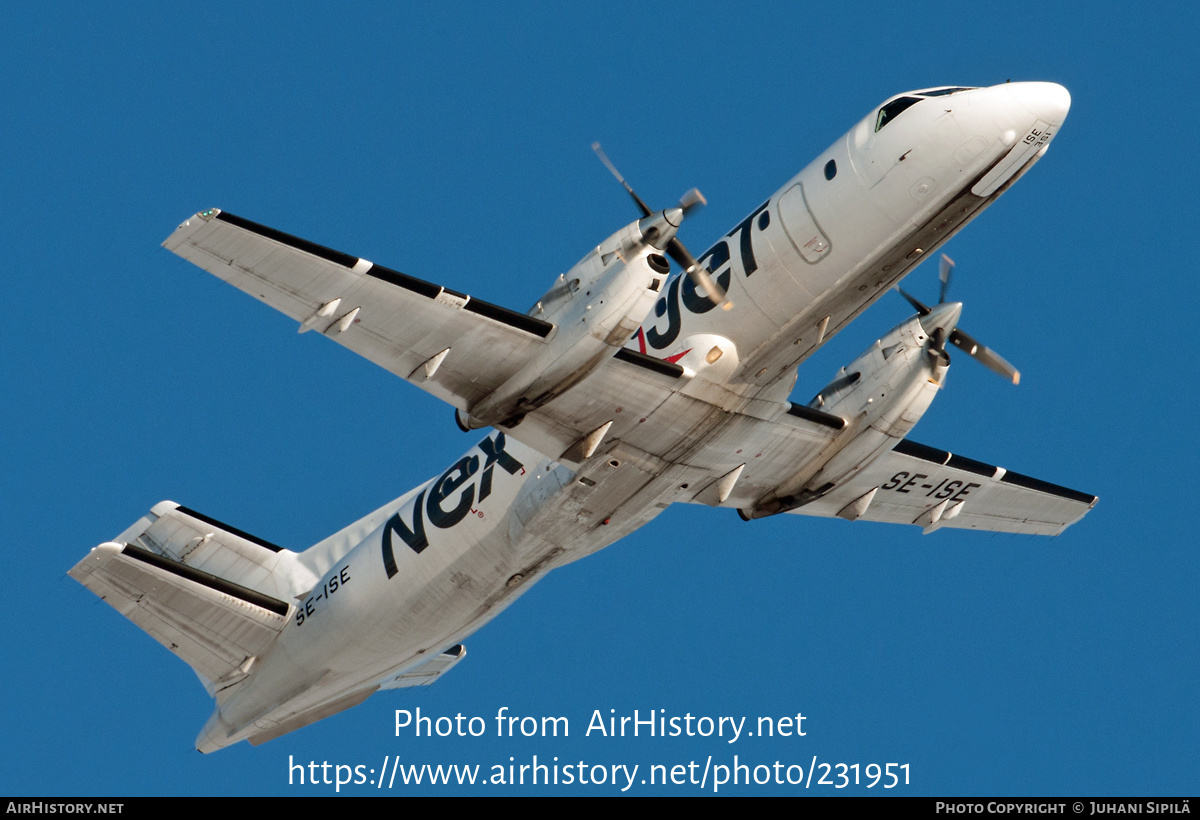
(624,389)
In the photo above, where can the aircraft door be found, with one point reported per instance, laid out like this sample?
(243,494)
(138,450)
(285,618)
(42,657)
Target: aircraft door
(802,229)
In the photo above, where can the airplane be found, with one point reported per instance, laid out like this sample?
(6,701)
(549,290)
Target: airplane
(624,389)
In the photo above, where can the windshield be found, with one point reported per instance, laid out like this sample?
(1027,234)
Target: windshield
(942,92)
(892,110)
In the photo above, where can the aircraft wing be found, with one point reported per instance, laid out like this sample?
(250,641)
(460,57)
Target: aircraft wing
(401,323)
(916,484)
(396,321)
(656,409)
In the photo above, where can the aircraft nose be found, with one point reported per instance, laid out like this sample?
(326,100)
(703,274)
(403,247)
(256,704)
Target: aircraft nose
(1049,102)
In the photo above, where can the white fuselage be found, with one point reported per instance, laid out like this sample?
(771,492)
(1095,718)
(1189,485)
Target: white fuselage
(433,566)
(828,247)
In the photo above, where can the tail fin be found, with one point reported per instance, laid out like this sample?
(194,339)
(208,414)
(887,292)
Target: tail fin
(215,596)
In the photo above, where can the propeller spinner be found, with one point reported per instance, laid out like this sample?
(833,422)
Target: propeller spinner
(689,203)
(940,322)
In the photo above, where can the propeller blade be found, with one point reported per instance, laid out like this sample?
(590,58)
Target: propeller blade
(608,164)
(984,355)
(692,201)
(922,310)
(945,270)
(699,275)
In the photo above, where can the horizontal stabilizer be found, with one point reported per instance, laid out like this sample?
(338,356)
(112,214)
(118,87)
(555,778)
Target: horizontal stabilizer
(423,675)
(206,544)
(214,595)
(301,720)
(217,627)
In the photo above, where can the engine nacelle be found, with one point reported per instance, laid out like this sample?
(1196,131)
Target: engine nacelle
(595,307)
(891,383)
(881,394)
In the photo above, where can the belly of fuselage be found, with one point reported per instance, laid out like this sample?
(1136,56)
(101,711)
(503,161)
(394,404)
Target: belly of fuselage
(425,581)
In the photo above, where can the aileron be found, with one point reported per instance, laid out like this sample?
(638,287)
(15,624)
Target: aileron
(1040,486)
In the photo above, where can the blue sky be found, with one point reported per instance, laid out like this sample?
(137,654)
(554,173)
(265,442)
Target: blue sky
(452,143)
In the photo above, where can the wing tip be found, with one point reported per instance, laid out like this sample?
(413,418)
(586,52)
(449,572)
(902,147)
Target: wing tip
(94,560)
(187,226)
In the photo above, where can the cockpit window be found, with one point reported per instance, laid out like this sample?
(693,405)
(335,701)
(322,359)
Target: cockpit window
(942,92)
(892,110)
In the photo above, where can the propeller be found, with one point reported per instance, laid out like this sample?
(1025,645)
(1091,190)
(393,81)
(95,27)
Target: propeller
(960,339)
(689,203)
(945,270)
